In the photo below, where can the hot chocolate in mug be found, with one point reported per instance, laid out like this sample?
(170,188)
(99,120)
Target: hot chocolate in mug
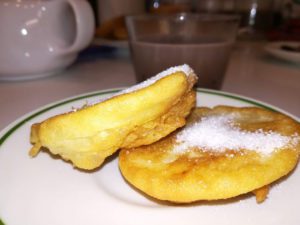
(41,37)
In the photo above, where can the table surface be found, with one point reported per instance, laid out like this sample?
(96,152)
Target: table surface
(251,72)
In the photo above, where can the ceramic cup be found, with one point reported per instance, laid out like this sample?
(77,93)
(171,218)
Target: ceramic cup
(41,37)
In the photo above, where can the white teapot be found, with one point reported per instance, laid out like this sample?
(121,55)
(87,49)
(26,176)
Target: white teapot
(41,37)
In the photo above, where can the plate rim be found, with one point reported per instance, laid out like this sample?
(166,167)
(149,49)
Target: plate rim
(12,127)
(273,49)
(19,122)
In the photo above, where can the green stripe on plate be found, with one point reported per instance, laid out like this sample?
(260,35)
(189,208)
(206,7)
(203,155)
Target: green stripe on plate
(237,97)
(14,128)
(47,108)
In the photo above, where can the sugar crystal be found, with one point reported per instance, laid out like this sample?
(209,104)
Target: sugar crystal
(217,133)
(183,68)
(186,69)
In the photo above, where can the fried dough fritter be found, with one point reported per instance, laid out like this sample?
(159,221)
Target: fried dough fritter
(207,174)
(261,193)
(87,136)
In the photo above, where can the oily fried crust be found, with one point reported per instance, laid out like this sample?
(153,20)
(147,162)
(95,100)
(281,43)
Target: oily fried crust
(206,175)
(261,193)
(174,118)
(87,136)
(154,130)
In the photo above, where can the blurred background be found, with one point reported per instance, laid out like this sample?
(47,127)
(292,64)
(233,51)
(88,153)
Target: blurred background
(271,19)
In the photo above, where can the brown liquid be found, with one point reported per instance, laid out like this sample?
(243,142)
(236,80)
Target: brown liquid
(208,58)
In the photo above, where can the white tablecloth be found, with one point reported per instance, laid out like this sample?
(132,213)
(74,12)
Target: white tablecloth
(251,72)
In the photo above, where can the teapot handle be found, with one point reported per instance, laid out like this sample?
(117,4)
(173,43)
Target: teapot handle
(85,26)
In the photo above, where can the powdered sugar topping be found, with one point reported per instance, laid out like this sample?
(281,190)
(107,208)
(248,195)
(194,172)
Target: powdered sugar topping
(217,133)
(186,69)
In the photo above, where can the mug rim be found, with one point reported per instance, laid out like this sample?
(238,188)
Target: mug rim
(213,17)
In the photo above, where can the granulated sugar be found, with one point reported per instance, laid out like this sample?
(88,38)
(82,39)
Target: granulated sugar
(186,69)
(217,133)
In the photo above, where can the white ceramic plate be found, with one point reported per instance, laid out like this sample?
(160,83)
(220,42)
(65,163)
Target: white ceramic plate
(274,48)
(46,190)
